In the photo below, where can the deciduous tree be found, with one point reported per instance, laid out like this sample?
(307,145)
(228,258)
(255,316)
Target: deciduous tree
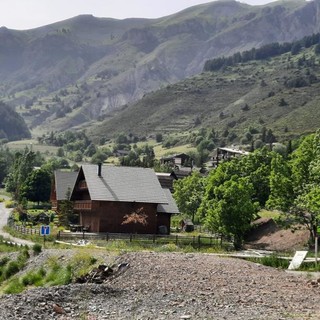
(37,186)
(231,209)
(188,193)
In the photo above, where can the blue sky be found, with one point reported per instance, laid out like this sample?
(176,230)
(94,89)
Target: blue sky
(27,14)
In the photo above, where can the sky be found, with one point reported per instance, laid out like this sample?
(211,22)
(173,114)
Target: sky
(28,14)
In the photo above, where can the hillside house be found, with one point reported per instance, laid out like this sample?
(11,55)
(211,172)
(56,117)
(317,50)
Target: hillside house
(225,154)
(179,160)
(166,179)
(104,196)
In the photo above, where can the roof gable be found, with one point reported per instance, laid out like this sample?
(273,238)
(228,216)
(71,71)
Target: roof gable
(64,181)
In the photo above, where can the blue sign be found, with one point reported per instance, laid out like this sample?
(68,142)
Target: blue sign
(45,230)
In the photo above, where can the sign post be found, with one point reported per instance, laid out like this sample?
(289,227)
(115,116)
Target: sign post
(44,231)
(316,246)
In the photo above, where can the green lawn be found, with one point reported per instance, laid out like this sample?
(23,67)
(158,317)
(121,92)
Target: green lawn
(32,144)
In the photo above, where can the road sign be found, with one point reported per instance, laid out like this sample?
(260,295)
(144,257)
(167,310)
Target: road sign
(45,230)
(297,260)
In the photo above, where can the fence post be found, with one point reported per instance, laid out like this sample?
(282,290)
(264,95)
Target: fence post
(107,236)
(199,242)
(58,235)
(210,241)
(83,235)
(176,239)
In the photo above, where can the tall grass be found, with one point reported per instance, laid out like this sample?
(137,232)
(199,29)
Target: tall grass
(274,261)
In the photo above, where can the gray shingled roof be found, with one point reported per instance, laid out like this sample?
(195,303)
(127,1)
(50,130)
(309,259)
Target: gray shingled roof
(171,207)
(64,180)
(126,184)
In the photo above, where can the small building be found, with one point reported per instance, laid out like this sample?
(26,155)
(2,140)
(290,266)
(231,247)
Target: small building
(180,159)
(105,196)
(225,154)
(166,179)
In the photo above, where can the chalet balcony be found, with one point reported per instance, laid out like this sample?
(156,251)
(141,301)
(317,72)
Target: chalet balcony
(83,205)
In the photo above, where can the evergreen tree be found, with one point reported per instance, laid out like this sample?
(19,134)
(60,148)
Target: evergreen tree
(19,171)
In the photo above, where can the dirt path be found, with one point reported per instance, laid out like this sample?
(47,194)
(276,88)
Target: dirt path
(4,215)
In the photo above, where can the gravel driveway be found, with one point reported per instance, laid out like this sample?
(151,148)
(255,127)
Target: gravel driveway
(175,286)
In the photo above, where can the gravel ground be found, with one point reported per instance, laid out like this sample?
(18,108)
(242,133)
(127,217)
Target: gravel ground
(175,286)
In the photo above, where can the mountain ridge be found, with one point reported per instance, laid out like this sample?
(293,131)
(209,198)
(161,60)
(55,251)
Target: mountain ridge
(280,93)
(107,64)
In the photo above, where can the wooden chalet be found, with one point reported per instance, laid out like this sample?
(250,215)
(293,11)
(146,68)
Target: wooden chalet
(180,159)
(105,196)
(166,179)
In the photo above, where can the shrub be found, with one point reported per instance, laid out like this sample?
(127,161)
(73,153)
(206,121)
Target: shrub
(33,278)
(37,248)
(14,286)
(9,204)
(4,261)
(11,269)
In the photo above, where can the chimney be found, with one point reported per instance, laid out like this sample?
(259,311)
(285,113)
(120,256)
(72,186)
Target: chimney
(99,169)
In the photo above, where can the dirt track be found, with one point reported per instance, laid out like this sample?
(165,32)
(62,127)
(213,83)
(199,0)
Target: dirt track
(176,286)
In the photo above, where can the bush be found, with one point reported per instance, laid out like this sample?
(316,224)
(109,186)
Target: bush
(37,248)
(11,269)
(4,261)
(33,278)
(14,286)
(9,204)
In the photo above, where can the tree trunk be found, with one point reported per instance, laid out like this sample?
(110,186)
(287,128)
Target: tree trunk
(238,242)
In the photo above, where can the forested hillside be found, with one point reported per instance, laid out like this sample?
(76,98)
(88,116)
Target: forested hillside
(12,125)
(281,93)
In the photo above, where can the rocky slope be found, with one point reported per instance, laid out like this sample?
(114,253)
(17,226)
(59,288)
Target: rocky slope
(175,286)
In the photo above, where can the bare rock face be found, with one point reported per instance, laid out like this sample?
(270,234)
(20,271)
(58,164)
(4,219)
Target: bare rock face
(175,286)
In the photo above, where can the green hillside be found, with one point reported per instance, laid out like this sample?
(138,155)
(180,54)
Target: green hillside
(281,93)
(12,126)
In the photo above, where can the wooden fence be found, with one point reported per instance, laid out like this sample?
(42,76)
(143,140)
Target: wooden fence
(200,241)
(25,230)
(145,239)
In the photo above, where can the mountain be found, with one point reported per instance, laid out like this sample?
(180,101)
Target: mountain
(12,125)
(280,93)
(74,72)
